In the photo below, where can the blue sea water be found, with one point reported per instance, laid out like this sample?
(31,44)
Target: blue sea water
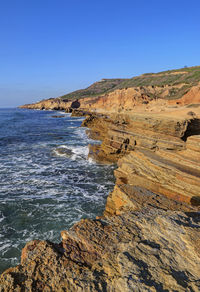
(47,183)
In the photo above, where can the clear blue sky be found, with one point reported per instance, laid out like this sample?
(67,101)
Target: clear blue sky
(51,47)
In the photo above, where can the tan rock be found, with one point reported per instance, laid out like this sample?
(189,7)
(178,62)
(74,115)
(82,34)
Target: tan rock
(150,249)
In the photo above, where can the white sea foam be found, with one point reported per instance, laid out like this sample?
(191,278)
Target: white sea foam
(75,152)
(91,160)
(81,151)
(2,218)
(4,247)
(46,193)
(63,113)
(79,119)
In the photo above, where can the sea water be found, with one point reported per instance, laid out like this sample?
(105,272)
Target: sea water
(47,182)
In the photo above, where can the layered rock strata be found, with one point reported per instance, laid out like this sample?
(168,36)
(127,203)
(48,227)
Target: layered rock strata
(124,133)
(148,238)
(154,153)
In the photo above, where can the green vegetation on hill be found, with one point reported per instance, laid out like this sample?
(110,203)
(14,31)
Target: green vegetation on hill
(97,88)
(190,76)
(173,77)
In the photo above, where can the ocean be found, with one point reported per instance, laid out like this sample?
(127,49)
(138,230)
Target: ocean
(47,182)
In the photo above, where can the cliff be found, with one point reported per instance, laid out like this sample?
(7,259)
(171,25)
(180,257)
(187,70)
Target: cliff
(124,94)
(148,237)
(160,153)
(146,98)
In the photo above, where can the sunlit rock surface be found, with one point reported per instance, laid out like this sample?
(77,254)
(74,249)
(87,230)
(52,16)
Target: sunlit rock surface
(148,238)
(152,245)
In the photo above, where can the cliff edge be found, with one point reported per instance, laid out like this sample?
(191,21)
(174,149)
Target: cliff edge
(148,237)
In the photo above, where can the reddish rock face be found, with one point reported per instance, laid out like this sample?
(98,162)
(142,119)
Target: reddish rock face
(191,97)
(140,98)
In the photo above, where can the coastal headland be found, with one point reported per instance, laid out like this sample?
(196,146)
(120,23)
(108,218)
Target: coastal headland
(148,238)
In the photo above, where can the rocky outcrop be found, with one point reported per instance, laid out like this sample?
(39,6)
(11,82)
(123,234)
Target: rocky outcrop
(172,175)
(128,98)
(49,104)
(148,247)
(153,153)
(123,133)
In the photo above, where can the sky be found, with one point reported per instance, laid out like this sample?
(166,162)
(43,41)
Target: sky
(51,47)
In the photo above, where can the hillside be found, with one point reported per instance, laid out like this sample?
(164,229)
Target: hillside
(188,77)
(97,88)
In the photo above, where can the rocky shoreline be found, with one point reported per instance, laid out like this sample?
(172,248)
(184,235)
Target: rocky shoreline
(148,238)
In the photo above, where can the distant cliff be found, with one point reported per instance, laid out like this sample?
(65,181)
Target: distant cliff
(170,87)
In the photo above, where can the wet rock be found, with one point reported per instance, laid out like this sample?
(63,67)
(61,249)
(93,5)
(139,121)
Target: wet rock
(56,116)
(63,151)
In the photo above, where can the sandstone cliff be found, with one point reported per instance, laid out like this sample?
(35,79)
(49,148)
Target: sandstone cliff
(176,86)
(160,153)
(148,238)
(145,98)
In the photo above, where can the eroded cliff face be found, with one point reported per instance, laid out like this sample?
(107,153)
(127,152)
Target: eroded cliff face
(160,153)
(192,96)
(148,238)
(145,98)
